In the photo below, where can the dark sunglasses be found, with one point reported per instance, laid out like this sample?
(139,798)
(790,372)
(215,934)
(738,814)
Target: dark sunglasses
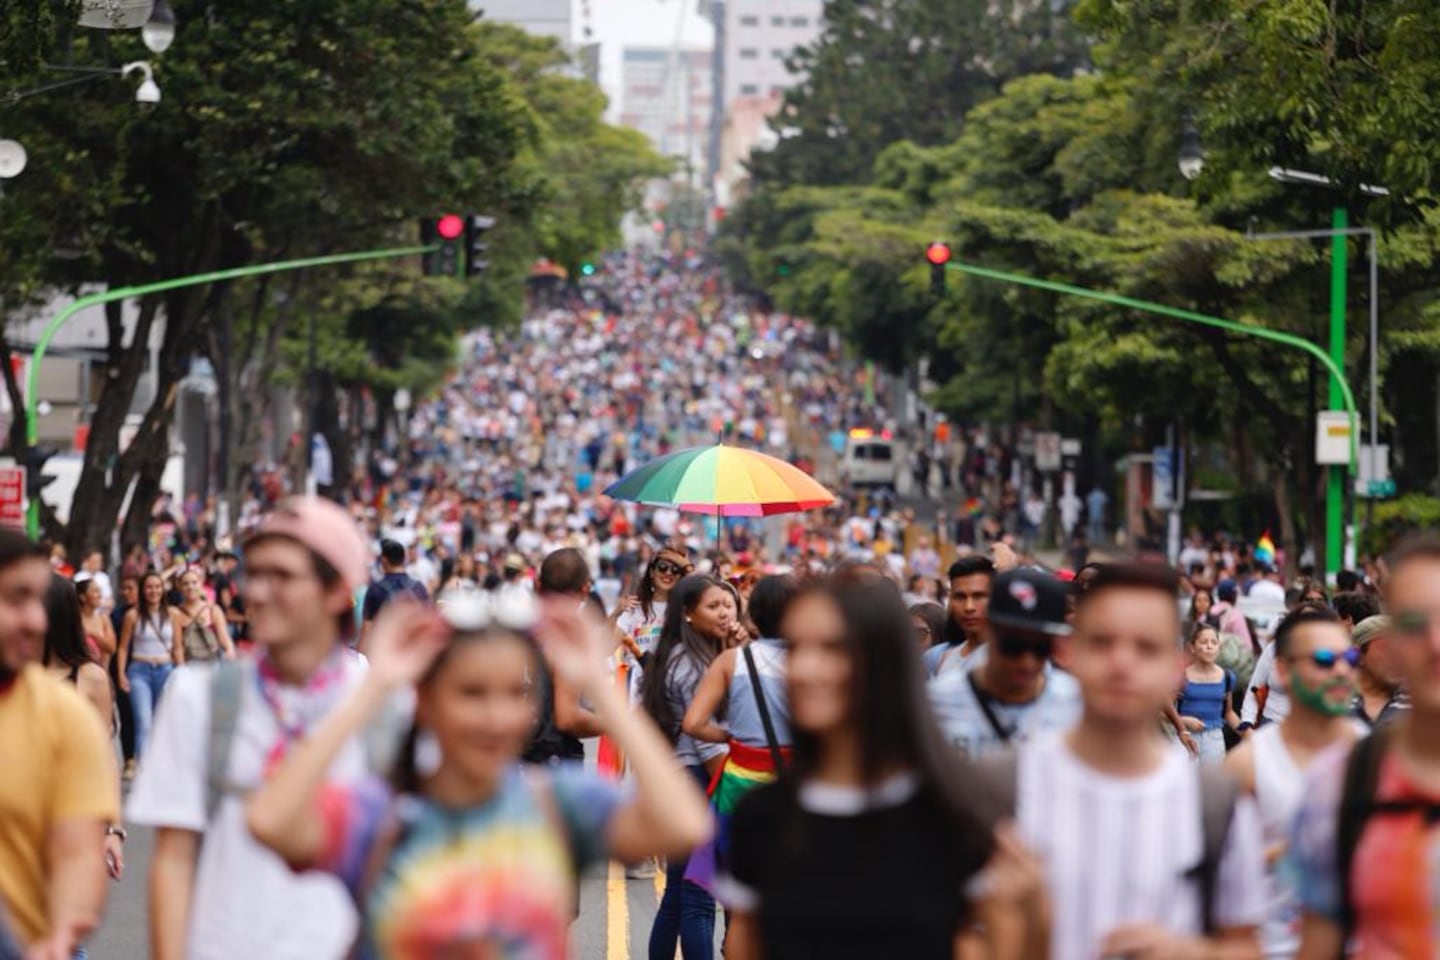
(671,569)
(1013,645)
(1326,659)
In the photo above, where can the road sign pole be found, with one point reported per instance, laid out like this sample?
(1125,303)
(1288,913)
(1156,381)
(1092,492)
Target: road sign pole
(1335,481)
(32,386)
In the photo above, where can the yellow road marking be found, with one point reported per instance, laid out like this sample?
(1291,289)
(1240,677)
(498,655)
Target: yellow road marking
(617,923)
(659,882)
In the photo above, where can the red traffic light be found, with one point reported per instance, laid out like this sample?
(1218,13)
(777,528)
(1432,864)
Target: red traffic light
(450,227)
(938,253)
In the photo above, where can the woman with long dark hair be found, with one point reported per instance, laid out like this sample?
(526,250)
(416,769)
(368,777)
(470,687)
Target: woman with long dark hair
(700,620)
(874,783)
(638,619)
(472,855)
(149,651)
(98,630)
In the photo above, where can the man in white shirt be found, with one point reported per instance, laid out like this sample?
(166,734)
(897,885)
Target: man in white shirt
(230,898)
(1115,811)
(1268,590)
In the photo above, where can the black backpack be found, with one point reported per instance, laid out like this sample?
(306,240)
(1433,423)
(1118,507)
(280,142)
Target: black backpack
(549,742)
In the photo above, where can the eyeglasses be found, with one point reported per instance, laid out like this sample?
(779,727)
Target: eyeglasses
(1015,645)
(923,629)
(668,569)
(1326,659)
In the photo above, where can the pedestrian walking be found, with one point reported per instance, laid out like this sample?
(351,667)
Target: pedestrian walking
(1205,703)
(148,654)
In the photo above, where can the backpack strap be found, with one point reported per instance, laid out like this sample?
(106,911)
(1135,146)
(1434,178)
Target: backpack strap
(227,682)
(1357,803)
(1218,793)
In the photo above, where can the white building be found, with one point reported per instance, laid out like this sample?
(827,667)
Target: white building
(546,18)
(666,94)
(759,36)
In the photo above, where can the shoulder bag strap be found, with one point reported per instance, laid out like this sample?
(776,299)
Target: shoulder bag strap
(983,698)
(770,739)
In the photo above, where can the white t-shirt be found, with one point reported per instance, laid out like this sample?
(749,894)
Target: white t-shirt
(1267,591)
(1117,850)
(246,903)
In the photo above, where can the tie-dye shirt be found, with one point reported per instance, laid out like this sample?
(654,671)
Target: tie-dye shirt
(1396,870)
(494,882)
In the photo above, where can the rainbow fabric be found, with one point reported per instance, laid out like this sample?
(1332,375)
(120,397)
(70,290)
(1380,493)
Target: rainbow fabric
(745,769)
(1265,549)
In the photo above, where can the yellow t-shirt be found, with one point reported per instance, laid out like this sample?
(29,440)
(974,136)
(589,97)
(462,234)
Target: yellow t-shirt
(58,765)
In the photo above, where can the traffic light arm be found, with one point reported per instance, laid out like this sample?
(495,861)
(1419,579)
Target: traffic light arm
(32,381)
(1347,396)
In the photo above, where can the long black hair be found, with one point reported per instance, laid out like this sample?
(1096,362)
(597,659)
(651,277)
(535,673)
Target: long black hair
(677,639)
(64,633)
(890,708)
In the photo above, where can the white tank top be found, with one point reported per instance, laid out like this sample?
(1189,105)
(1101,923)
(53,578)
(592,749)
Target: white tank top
(1279,789)
(154,636)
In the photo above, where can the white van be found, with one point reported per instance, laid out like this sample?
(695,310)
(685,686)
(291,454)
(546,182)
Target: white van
(869,460)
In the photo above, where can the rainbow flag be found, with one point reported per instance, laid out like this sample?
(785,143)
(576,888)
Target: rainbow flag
(745,769)
(1265,550)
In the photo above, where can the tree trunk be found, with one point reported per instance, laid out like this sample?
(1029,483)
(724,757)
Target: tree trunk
(1280,486)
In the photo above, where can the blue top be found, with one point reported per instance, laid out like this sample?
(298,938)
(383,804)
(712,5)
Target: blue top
(1206,701)
(742,714)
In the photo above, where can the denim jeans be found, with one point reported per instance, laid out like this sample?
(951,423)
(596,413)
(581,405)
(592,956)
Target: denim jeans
(686,912)
(146,682)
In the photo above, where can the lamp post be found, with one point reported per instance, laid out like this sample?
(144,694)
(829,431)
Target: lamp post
(159,31)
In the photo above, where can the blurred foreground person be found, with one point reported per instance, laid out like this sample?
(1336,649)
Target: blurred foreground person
(59,788)
(222,729)
(1315,662)
(873,792)
(1363,843)
(471,855)
(1147,855)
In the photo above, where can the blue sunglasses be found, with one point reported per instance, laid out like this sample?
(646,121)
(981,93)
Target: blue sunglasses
(1326,659)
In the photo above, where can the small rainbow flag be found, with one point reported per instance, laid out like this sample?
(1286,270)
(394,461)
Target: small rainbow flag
(1265,550)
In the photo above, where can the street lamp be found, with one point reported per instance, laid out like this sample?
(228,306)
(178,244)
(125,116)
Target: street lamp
(159,31)
(1192,158)
(148,93)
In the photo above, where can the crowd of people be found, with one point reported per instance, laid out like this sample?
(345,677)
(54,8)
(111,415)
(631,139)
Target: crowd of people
(363,725)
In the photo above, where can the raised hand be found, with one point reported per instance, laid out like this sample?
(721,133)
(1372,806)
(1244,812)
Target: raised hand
(404,642)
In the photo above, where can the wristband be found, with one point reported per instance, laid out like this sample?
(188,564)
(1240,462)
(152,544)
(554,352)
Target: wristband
(1245,725)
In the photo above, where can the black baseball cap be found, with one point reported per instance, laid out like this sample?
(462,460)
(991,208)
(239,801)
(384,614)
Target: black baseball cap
(1031,600)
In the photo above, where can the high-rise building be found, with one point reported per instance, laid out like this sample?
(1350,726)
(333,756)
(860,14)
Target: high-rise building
(546,18)
(666,94)
(759,36)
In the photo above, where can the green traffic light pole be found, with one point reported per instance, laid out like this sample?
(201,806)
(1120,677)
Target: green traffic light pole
(32,386)
(1340,392)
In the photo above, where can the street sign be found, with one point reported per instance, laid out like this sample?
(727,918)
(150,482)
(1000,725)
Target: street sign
(1070,447)
(1047,452)
(1332,438)
(12,497)
(1380,488)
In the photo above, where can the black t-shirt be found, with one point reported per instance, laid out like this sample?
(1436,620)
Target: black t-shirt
(880,883)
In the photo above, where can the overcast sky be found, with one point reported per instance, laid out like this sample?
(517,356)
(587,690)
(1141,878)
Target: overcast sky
(621,23)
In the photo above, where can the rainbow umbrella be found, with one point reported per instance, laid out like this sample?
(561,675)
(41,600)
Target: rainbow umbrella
(722,481)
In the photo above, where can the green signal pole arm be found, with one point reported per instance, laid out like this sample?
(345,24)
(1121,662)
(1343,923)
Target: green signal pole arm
(1347,396)
(32,381)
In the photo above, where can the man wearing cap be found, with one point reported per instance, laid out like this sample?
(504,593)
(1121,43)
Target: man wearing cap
(395,582)
(230,897)
(1379,697)
(1015,693)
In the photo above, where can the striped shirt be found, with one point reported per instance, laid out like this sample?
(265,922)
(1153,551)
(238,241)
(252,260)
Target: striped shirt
(1119,851)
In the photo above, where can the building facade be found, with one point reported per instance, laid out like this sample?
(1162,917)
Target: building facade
(666,94)
(759,36)
(546,18)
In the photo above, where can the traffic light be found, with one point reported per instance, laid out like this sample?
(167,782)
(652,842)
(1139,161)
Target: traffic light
(476,226)
(938,253)
(587,269)
(441,232)
(35,480)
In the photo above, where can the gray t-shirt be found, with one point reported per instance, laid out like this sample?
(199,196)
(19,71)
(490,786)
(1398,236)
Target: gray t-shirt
(966,726)
(682,676)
